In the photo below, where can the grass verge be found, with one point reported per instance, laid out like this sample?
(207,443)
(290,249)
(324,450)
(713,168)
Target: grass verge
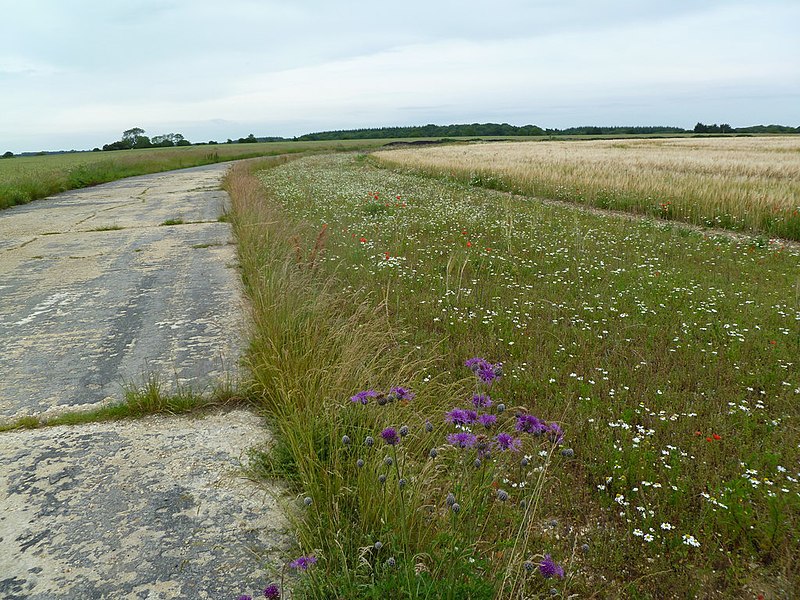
(649,390)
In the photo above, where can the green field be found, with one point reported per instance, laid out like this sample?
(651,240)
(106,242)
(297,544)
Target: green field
(26,178)
(668,357)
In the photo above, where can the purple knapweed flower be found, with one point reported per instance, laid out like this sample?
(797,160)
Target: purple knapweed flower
(531,424)
(508,442)
(484,370)
(363,397)
(548,568)
(475,363)
(401,393)
(272,592)
(244,597)
(390,436)
(487,421)
(481,401)
(302,563)
(555,433)
(488,372)
(461,416)
(462,440)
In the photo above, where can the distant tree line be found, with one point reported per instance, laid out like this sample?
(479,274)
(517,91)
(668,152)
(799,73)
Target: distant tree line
(633,130)
(430,130)
(506,130)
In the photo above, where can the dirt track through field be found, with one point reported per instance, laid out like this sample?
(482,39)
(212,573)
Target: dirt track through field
(96,293)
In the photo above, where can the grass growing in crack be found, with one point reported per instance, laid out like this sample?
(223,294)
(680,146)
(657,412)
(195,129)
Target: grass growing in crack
(139,401)
(170,222)
(108,228)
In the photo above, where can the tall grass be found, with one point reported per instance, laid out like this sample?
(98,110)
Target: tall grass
(744,184)
(376,513)
(667,356)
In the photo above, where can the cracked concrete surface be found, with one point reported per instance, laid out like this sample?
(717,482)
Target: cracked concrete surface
(155,508)
(96,293)
(86,310)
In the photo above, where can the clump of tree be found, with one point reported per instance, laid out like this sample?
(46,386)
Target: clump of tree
(8,155)
(250,139)
(170,139)
(135,138)
(703,128)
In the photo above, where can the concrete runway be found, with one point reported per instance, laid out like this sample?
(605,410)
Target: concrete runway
(95,293)
(86,309)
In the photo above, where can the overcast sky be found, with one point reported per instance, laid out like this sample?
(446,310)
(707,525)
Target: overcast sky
(76,73)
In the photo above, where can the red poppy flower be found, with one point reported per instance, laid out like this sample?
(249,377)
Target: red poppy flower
(716,436)
(469,244)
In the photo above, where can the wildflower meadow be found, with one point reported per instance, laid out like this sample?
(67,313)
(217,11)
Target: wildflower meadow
(477,395)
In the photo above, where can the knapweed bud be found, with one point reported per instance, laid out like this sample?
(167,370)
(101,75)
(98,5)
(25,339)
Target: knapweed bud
(387,460)
(502,495)
(433,453)
(404,430)
(391,562)
(428,426)
(369,440)
(456,508)
(501,407)
(382,478)
(402,483)
(568,452)
(377,545)
(450,500)
(360,463)
(528,566)
(346,440)
(308,501)
(476,463)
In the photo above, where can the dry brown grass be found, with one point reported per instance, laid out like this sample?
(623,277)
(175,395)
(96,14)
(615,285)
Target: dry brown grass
(746,184)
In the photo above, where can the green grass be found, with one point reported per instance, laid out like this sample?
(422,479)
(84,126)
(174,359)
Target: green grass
(170,222)
(138,402)
(108,228)
(668,356)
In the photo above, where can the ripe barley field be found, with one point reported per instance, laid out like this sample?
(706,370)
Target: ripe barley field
(747,184)
(629,430)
